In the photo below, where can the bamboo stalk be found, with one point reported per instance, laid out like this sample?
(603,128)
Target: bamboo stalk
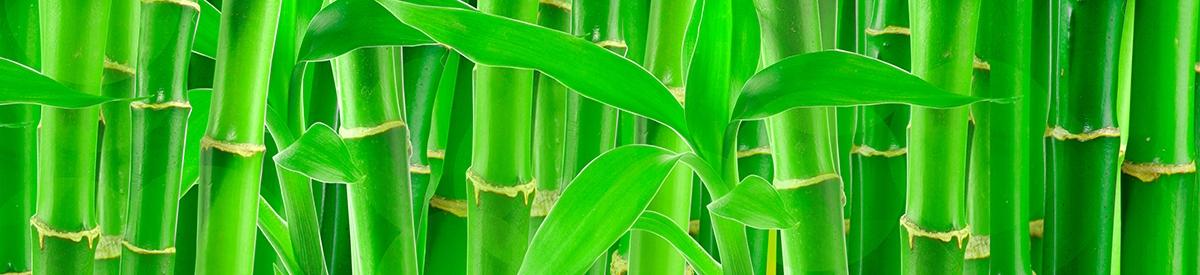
(74,36)
(754,158)
(1039,98)
(18,129)
(934,229)
(114,171)
(232,149)
(550,122)
(159,131)
(977,256)
(1159,170)
(450,151)
(422,76)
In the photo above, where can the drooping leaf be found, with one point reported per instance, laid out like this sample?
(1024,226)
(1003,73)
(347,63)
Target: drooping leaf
(207,27)
(597,207)
(593,71)
(755,203)
(201,101)
(347,25)
(273,227)
(20,84)
(321,155)
(707,90)
(662,226)
(834,79)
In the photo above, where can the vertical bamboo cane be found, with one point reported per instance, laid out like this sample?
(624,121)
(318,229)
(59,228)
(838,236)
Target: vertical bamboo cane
(450,150)
(19,35)
(113,179)
(1039,97)
(550,122)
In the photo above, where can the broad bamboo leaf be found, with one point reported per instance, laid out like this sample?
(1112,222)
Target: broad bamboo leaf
(836,78)
(20,84)
(707,89)
(275,229)
(597,207)
(201,100)
(755,203)
(207,27)
(347,25)
(662,226)
(593,71)
(321,155)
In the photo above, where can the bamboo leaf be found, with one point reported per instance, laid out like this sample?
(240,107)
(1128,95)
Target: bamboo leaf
(597,207)
(662,226)
(207,27)
(594,72)
(347,25)
(834,79)
(275,229)
(321,155)
(20,84)
(755,203)
(201,101)
(707,85)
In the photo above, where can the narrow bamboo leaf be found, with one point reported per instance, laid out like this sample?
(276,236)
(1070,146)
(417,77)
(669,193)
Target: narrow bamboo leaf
(662,226)
(755,203)
(597,208)
(201,100)
(20,84)
(275,229)
(594,72)
(834,79)
(205,42)
(347,25)
(321,155)
(707,85)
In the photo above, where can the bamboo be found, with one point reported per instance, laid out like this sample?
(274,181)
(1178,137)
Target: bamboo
(447,240)
(114,175)
(934,228)
(19,39)
(880,150)
(550,122)
(804,149)
(847,35)
(754,158)
(1039,98)
(159,132)
(422,75)
(1085,136)
(977,255)
(232,148)
(1159,175)
(73,40)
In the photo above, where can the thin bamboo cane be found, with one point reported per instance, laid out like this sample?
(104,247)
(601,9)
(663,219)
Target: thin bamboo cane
(847,32)
(550,122)
(422,75)
(19,39)
(73,40)
(232,148)
(113,180)
(977,256)
(159,131)
(451,150)
(1039,97)
(754,158)
(1159,172)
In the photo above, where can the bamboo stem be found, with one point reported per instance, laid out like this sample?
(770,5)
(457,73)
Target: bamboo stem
(1039,98)
(447,240)
(113,179)
(550,123)
(18,129)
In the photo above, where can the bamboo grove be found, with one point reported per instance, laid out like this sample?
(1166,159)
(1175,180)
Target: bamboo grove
(599,137)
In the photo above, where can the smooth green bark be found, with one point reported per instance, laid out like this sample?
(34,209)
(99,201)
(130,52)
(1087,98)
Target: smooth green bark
(112,188)
(19,41)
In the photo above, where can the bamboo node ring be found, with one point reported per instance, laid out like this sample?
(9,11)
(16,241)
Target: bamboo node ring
(435,154)
(240,149)
(27,272)
(915,230)
(756,151)
(511,191)
(110,64)
(184,3)
(693,227)
(160,105)
(889,30)
(557,4)
(45,230)
(980,64)
(797,183)
(1060,133)
(845,224)
(419,169)
(612,44)
(1148,172)
(868,151)
(543,201)
(1037,228)
(457,208)
(109,247)
(362,132)
(143,251)
(679,94)
(619,265)
(978,247)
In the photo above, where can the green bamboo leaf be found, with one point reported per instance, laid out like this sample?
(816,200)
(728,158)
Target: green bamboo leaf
(275,229)
(347,25)
(755,203)
(321,155)
(836,78)
(20,84)
(597,207)
(662,226)
(205,43)
(707,85)
(594,72)
(201,100)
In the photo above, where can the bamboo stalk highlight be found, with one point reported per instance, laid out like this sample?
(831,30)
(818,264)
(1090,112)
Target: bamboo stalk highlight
(114,171)
(232,149)
(18,129)
(934,229)
(64,231)
(1159,175)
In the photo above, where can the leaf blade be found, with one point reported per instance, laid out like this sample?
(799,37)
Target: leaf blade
(321,155)
(662,226)
(755,203)
(20,84)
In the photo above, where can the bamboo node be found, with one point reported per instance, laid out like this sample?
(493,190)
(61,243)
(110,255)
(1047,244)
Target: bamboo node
(915,230)
(113,65)
(889,30)
(619,265)
(241,149)
(845,226)
(612,44)
(1037,228)
(756,151)
(109,247)
(557,4)
(27,272)
(362,132)
(184,3)
(435,154)
(45,230)
(1148,172)
(694,227)
(978,247)
(543,201)
(868,151)
(511,191)
(797,183)
(679,94)
(980,64)
(419,169)
(1197,68)
(135,249)
(1060,133)
(160,105)
(457,208)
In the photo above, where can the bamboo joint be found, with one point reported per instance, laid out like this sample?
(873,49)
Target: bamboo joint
(45,230)
(798,183)
(889,30)
(457,208)
(915,230)
(543,201)
(362,132)
(511,191)
(139,250)
(1060,133)
(1148,172)
(757,151)
(182,3)
(868,151)
(557,4)
(978,247)
(240,149)
(108,248)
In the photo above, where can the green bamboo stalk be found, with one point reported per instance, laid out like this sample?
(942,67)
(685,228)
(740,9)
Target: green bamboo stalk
(880,149)
(422,75)
(664,54)
(113,179)
(1085,137)
(1159,172)
(74,36)
(449,155)
(383,237)
(232,148)
(847,32)
(804,149)
(159,131)
(1039,97)
(754,158)
(19,39)
(977,256)
(550,121)
(934,228)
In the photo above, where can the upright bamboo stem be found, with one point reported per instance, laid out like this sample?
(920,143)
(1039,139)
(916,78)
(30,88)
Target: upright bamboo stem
(113,179)
(232,148)
(451,151)
(422,77)
(1159,172)
(1039,97)
(933,228)
(754,158)
(550,123)
(74,34)
(19,35)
